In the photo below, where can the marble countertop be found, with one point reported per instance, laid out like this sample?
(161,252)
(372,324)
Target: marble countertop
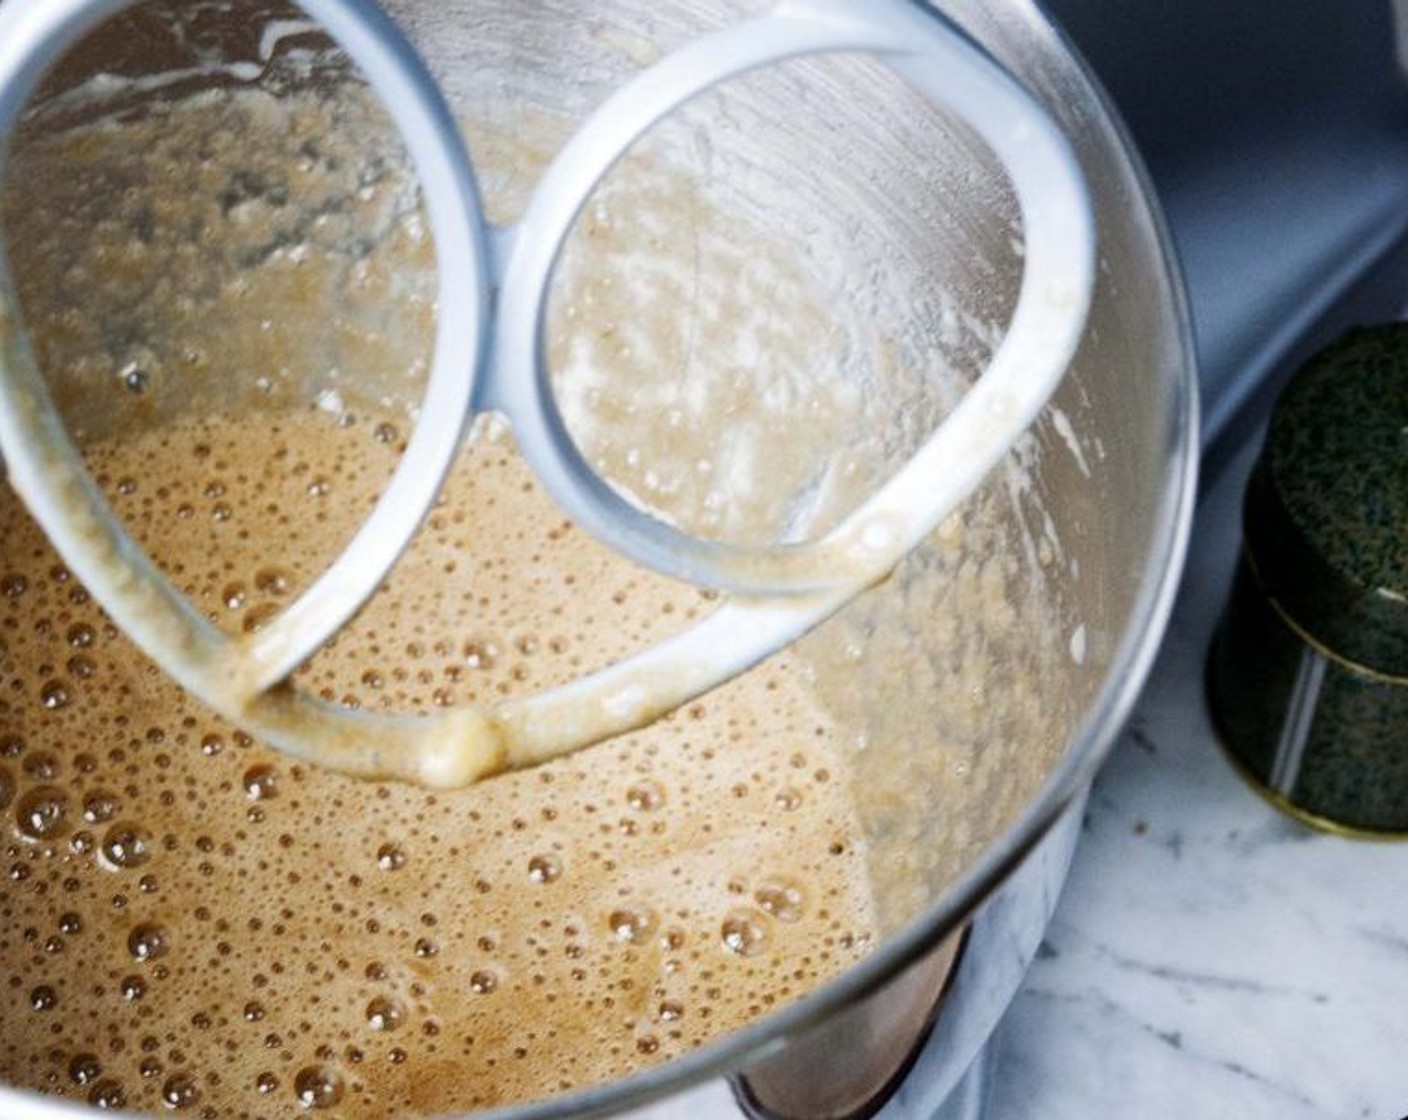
(1210,957)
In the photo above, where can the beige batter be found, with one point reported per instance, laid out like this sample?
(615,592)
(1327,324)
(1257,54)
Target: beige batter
(190,919)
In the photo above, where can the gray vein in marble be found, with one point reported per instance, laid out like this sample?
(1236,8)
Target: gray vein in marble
(1106,1008)
(1190,978)
(1388,939)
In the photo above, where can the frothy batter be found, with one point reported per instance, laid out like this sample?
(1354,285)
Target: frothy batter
(192,921)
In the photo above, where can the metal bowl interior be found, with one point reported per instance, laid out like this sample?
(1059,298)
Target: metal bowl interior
(1006,679)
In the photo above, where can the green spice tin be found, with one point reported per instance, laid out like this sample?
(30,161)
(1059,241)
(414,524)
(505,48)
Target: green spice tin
(1308,673)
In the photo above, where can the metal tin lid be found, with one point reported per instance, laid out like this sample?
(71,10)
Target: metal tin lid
(1326,516)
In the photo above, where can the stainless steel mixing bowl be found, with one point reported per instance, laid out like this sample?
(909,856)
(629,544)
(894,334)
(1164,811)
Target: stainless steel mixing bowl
(1106,481)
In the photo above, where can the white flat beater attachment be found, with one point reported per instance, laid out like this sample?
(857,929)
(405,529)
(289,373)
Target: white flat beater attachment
(489,355)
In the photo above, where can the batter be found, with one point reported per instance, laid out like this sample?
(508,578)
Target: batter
(190,921)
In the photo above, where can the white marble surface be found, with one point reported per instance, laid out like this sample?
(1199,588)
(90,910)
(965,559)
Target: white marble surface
(1210,957)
